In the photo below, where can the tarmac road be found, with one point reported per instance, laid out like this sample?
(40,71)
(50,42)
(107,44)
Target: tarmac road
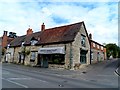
(93,76)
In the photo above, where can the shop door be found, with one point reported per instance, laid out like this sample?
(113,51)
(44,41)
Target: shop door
(45,61)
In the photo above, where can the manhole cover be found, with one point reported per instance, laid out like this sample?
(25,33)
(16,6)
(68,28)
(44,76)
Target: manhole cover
(93,80)
(84,72)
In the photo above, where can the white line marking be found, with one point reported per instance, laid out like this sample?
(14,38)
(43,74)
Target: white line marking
(15,83)
(42,80)
(19,78)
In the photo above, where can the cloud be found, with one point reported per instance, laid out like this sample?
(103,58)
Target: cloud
(100,18)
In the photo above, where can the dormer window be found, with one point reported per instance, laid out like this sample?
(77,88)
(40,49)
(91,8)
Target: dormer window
(33,42)
(22,44)
(8,46)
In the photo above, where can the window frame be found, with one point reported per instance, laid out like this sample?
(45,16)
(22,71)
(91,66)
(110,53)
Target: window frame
(83,40)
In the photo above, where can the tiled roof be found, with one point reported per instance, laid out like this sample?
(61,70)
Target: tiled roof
(96,43)
(60,34)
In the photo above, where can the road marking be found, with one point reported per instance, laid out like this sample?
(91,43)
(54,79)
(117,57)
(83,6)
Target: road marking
(116,72)
(16,83)
(19,78)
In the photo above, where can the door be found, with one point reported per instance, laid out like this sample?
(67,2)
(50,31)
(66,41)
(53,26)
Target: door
(39,59)
(44,61)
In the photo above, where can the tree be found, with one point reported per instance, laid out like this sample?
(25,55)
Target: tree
(112,49)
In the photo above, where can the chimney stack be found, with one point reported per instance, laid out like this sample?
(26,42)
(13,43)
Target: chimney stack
(29,31)
(90,36)
(5,33)
(42,27)
(4,39)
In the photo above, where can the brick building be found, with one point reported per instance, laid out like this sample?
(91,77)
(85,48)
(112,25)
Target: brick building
(98,51)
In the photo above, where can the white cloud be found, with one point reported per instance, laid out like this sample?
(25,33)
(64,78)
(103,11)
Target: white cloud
(100,18)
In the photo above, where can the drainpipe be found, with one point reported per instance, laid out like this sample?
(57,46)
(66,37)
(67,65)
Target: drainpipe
(71,56)
(13,54)
(90,52)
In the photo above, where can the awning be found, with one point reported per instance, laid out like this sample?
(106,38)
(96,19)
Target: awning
(52,50)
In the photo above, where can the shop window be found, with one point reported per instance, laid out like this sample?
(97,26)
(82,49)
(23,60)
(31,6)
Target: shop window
(33,56)
(56,59)
(83,40)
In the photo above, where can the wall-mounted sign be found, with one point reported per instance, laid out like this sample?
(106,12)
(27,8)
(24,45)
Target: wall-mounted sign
(52,50)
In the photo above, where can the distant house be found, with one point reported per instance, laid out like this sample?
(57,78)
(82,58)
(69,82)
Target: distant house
(98,51)
(59,47)
(5,41)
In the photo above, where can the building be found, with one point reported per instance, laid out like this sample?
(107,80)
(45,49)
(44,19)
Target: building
(59,47)
(5,41)
(98,51)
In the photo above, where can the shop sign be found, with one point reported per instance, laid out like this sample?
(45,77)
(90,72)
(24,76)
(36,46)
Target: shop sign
(53,50)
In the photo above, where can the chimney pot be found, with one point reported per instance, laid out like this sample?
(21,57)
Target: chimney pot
(29,31)
(5,33)
(90,36)
(42,27)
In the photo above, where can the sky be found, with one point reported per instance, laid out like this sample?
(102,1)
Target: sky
(100,17)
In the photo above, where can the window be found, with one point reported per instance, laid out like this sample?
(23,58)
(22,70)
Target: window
(57,59)
(91,55)
(83,40)
(33,42)
(33,55)
(101,47)
(98,46)
(22,44)
(83,56)
(93,44)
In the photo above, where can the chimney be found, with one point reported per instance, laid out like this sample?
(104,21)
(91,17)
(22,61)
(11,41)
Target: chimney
(42,27)
(29,31)
(4,39)
(90,36)
(5,33)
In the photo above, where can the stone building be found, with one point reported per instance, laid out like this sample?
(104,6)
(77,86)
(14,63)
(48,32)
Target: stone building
(59,47)
(98,51)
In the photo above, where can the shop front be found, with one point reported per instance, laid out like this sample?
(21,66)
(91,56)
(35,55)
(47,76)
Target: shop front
(51,56)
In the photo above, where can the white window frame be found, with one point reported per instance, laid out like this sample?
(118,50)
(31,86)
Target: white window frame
(98,46)
(93,44)
(101,47)
(33,42)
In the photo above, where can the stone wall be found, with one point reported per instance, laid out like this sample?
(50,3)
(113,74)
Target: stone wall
(76,45)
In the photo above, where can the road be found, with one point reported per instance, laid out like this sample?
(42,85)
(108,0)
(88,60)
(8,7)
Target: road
(99,75)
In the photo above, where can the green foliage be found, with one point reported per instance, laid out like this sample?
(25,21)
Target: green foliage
(112,49)
(25,51)
(3,51)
